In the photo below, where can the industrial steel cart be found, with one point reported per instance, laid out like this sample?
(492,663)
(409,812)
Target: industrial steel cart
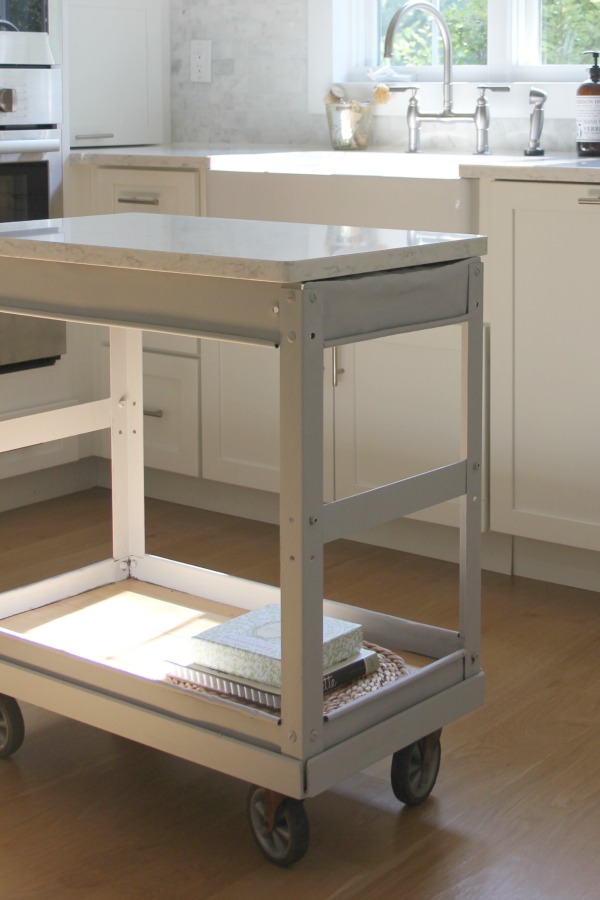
(303,289)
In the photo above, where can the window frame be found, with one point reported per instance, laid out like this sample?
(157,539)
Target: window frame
(340,32)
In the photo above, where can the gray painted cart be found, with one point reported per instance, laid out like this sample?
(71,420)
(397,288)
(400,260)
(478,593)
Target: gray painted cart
(295,287)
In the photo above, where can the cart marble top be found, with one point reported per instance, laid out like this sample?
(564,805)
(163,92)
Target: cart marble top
(281,252)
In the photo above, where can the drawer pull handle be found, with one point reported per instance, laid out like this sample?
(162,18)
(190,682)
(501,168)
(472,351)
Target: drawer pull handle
(589,201)
(139,201)
(336,371)
(154,413)
(95,137)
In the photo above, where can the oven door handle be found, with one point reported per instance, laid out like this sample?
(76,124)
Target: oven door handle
(42,145)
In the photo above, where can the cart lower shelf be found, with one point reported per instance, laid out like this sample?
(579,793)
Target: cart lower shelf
(101,658)
(135,628)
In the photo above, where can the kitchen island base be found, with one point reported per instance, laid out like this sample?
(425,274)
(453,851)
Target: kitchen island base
(105,675)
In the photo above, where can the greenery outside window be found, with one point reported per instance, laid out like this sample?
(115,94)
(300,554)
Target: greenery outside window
(535,32)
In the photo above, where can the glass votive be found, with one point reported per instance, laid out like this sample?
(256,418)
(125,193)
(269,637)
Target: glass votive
(350,124)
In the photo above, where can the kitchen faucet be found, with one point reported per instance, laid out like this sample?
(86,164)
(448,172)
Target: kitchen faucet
(481,116)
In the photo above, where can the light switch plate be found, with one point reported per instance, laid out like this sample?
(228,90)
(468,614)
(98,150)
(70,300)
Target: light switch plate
(200,61)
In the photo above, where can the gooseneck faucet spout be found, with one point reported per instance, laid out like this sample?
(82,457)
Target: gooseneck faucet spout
(446,40)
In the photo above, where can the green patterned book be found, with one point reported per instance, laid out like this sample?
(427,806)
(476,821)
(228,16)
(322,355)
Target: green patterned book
(249,646)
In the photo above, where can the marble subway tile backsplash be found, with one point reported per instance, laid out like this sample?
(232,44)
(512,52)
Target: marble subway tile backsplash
(258,93)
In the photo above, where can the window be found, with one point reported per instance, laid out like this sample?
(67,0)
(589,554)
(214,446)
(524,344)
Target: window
(417,38)
(501,41)
(542,32)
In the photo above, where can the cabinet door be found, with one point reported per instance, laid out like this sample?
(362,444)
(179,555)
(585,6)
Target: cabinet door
(147,190)
(398,413)
(118,71)
(171,391)
(542,285)
(394,411)
(240,416)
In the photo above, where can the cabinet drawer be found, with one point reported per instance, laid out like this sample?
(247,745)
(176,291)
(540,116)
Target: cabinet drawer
(171,440)
(147,190)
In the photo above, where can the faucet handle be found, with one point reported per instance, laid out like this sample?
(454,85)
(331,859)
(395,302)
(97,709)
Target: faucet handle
(482,115)
(412,115)
(414,90)
(482,88)
(397,88)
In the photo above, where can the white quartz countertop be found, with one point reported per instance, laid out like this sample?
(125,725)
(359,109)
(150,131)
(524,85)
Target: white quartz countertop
(545,168)
(279,252)
(411,165)
(377,162)
(163,156)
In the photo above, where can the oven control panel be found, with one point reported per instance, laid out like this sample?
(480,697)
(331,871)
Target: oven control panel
(30,97)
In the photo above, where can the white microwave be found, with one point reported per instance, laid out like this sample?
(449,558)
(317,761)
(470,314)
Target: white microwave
(30,33)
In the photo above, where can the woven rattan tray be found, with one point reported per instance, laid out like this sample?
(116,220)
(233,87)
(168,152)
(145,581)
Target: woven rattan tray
(391,668)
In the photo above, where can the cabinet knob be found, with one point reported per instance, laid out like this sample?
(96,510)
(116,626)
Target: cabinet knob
(7,100)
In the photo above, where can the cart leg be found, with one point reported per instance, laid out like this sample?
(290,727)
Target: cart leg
(279,825)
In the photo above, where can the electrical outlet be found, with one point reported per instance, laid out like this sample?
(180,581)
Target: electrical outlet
(200,61)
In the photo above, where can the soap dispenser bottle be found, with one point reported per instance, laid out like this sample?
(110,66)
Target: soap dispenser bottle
(587,111)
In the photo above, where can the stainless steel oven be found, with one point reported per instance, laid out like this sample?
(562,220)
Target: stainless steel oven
(30,32)
(30,155)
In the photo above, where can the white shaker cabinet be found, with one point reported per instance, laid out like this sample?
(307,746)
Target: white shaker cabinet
(240,390)
(118,71)
(240,431)
(389,405)
(171,364)
(395,403)
(542,275)
(363,384)
(171,439)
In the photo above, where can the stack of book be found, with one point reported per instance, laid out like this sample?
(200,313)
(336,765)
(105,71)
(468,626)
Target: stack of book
(242,657)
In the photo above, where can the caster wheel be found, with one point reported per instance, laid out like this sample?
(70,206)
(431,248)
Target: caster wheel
(279,825)
(12,727)
(415,769)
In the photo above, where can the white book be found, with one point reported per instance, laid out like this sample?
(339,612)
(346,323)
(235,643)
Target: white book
(357,666)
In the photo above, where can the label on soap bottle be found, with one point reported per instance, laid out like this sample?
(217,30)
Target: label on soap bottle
(587,113)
